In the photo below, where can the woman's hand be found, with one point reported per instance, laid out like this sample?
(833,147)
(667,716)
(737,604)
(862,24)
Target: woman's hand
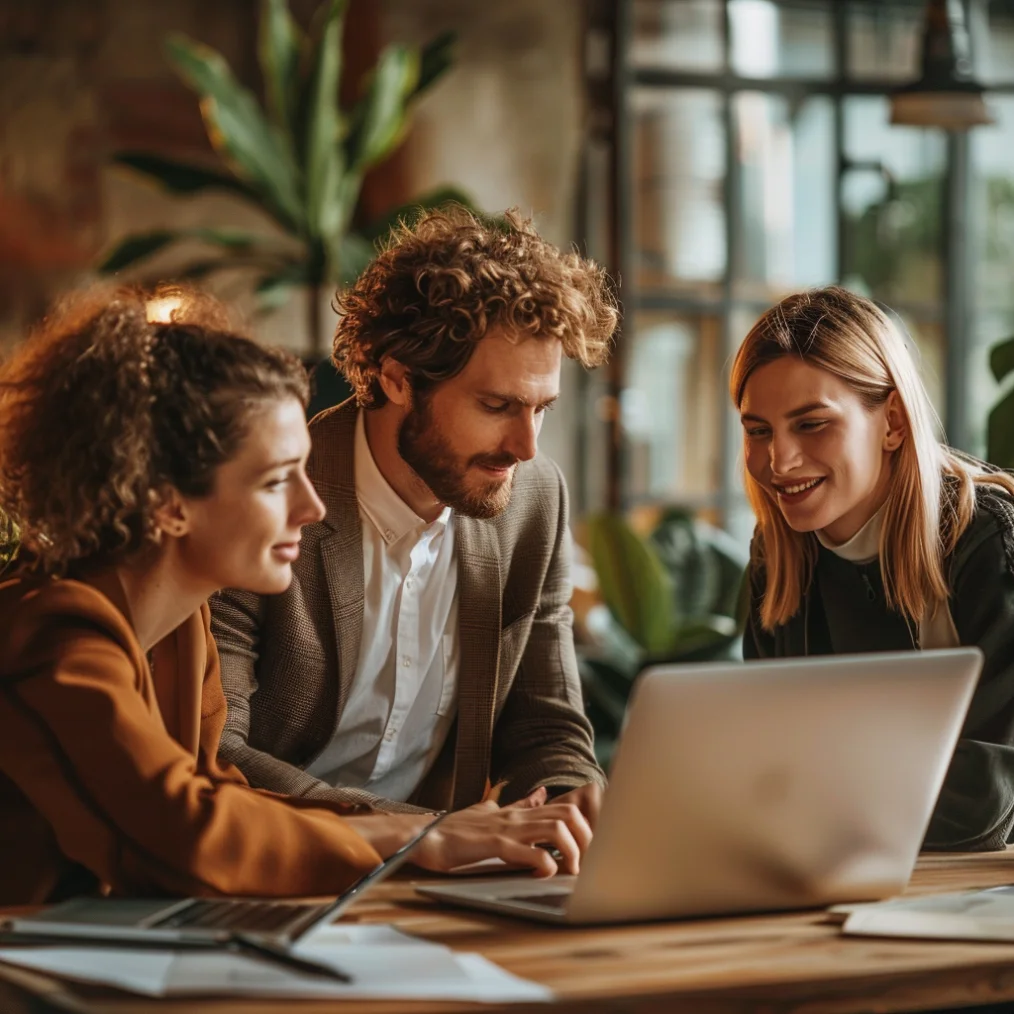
(487,831)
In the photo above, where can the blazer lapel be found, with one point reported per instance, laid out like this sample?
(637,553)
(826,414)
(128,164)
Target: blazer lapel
(479,604)
(332,470)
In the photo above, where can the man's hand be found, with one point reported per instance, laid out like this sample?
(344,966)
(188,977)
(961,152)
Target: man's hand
(587,798)
(486,831)
(511,833)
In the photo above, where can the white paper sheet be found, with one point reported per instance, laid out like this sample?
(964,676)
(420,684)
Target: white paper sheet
(383,962)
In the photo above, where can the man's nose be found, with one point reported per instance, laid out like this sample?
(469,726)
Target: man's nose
(523,439)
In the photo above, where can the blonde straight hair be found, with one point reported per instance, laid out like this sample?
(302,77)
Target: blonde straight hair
(932,495)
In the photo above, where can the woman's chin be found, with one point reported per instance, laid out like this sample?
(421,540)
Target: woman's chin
(272,581)
(802,522)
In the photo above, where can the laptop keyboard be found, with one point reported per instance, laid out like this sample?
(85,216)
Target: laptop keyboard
(243,916)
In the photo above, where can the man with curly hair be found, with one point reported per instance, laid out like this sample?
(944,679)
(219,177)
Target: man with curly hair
(424,654)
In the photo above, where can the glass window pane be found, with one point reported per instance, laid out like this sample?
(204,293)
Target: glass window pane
(672,408)
(929,351)
(678,34)
(992,29)
(885,39)
(787,202)
(892,194)
(679,168)
(771,39)
(992,259)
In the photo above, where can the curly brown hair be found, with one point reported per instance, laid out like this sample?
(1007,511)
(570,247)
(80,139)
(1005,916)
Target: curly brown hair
(443,284)
(101,410)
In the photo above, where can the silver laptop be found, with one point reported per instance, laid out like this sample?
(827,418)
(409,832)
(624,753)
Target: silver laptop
(759,786)
(198,920)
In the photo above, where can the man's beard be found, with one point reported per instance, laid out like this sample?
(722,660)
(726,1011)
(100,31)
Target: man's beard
(426,451)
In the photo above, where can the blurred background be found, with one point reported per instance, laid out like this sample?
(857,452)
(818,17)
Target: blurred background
(714,154)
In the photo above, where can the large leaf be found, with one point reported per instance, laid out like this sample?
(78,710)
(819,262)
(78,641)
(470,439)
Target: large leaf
(410,212)
(255,149)
(436,59)
(278,46)
(381,116)
(351,257)
(1000,432)
(632,581)
(136,248)
(240,244)
(274,289)
(324,156)
(1001,358)
(181,178)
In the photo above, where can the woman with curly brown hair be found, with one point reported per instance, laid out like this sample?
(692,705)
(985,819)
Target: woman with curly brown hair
(147,465)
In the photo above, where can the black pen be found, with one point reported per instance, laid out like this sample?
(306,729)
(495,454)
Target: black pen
(258,947)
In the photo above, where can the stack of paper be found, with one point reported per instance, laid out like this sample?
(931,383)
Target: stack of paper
(383,963)
(964,915)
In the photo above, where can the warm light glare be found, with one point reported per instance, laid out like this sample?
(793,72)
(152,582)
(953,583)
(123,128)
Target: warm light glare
(160,310)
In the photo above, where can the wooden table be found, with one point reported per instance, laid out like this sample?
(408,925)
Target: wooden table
(795,962)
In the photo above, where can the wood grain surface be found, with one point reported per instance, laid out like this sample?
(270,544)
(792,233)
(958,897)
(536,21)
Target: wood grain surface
(792,962)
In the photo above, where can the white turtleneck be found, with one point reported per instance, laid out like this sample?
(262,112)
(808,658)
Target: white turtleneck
(936,629)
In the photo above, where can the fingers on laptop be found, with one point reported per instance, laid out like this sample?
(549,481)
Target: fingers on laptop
(513,834)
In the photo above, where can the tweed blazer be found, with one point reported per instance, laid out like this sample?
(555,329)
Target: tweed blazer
(109,777)
(288,661)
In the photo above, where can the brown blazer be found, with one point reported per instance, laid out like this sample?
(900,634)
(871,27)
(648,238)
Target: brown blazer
(108,774)
(288,660)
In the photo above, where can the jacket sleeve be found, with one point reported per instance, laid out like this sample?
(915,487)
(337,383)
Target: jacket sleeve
(542,736)
(89,750)
(975,810)
(238,619)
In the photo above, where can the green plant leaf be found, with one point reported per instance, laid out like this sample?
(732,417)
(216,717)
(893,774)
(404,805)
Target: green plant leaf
(136,248)
(1000,432)
(180,178)
(275,289)
(324,156)
(411,211)
(278,45)
(381,116)
(633,582)
(436,59)
(1001,358)
(255,149)
(355,252)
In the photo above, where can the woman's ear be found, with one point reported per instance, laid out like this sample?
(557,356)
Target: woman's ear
(897,422)
(171,516)
(394,382)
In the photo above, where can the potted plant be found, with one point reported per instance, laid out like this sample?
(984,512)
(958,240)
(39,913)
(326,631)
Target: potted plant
(300,158)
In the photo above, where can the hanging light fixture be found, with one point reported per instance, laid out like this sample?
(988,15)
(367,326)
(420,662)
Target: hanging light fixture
(946,95)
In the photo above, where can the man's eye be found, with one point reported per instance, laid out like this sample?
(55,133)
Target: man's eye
(496,409)
(276,483)
(812,424)
(756,431)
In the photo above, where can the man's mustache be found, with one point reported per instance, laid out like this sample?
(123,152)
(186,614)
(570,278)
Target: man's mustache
(494,460)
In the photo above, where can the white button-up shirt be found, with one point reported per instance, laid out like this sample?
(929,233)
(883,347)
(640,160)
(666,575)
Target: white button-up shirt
(403,697)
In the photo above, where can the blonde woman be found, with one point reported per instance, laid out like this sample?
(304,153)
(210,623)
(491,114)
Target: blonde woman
(872,535)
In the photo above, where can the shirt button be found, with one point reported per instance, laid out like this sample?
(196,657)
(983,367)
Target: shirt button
(408,583)
(389,535)
(406,661)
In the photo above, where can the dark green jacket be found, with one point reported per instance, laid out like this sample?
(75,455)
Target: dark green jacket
(843,611)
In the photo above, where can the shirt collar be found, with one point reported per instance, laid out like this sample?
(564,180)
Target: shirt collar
(863,546)
(389,514)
